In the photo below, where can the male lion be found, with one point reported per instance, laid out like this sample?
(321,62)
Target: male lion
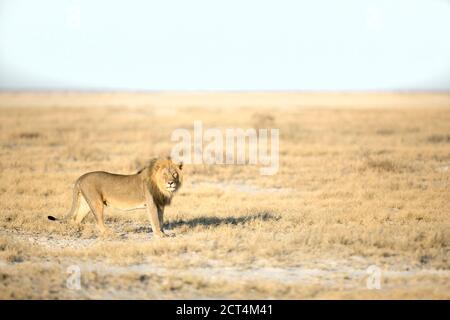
(152,188)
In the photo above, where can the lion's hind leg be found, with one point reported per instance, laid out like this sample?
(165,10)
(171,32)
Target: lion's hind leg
(96,205)
(82,212)
(76,199)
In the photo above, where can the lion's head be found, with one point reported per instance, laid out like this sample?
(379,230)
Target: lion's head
(166,178)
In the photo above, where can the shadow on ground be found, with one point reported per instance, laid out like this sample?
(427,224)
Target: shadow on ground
(216,221)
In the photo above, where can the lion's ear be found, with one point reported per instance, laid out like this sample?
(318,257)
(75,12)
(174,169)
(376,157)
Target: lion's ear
(180,166)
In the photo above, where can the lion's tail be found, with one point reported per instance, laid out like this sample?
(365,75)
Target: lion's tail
(75,204)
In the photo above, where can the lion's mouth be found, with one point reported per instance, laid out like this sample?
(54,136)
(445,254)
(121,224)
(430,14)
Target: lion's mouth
(171,188)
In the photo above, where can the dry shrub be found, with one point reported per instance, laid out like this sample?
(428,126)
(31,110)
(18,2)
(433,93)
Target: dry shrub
(263,121)
(29,135)
(439,138)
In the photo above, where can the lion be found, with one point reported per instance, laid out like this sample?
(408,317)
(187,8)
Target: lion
(152,188)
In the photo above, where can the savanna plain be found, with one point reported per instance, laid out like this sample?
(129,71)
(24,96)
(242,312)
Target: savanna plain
(363,184)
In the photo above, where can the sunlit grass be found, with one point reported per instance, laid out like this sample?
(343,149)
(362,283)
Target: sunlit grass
(370,182)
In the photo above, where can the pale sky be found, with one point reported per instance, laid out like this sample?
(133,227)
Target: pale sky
(225,45)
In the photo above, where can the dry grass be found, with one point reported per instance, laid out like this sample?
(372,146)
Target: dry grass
(358,184)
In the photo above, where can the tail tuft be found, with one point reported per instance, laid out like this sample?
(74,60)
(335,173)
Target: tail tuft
(52,218)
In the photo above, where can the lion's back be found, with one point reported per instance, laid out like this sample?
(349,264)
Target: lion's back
(113,188)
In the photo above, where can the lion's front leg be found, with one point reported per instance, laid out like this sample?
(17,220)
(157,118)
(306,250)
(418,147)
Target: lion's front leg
(153,213)
(161,222)
(161,217)
(154,221)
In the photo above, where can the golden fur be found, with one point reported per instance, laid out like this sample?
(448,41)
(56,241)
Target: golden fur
(151,188)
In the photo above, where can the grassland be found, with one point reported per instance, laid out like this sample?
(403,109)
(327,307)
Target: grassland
(364,179)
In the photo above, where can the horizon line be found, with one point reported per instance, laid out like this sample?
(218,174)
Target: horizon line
(145,91)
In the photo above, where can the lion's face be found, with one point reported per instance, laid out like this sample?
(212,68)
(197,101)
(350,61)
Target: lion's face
(170,177)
